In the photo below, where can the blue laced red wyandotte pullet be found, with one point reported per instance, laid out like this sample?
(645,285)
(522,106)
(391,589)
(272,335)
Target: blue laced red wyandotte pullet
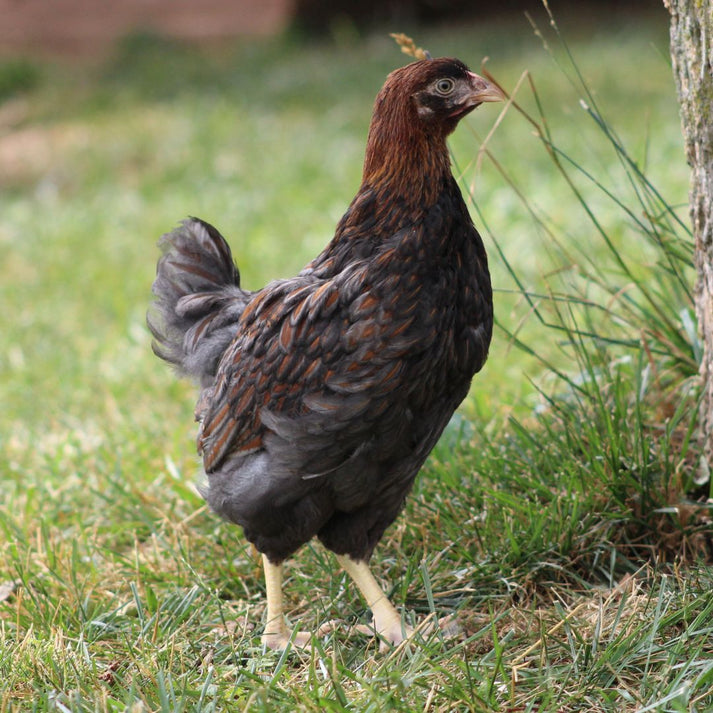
(322,395)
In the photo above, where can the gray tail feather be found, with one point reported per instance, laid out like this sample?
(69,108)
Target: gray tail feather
(198,299)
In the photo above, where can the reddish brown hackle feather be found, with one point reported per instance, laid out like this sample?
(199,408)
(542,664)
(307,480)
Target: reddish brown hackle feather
(401,153)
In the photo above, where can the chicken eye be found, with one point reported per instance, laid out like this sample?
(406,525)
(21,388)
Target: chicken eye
(445,86)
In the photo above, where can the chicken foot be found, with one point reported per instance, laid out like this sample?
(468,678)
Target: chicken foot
(276,634)
(386,619)
(387,622)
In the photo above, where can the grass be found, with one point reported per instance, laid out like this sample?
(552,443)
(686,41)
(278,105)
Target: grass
(561,515)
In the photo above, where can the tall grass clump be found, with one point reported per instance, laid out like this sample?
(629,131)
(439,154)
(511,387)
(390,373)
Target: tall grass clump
(607,452)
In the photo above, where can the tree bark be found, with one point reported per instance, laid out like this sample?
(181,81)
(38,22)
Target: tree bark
(692,55)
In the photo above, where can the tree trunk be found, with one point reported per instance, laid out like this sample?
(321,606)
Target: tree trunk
(692,55)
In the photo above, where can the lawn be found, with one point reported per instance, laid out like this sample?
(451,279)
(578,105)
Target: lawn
(561,516)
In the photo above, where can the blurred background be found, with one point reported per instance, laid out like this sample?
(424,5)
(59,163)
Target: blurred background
(120,118)
(86,27)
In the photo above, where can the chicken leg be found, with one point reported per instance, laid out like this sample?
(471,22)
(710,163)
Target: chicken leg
(276,634)
(386,619)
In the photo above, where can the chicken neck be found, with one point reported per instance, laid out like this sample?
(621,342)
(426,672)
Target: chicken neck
(405,159)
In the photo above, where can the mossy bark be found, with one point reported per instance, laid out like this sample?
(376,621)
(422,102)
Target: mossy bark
(692,55)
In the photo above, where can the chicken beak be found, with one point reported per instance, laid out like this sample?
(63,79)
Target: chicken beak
(484,91)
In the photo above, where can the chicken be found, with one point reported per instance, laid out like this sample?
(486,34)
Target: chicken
(322,395)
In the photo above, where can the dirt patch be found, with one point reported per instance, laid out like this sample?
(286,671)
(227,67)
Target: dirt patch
(30,153)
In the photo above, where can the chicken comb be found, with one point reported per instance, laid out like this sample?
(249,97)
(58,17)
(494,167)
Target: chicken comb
(408,46)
